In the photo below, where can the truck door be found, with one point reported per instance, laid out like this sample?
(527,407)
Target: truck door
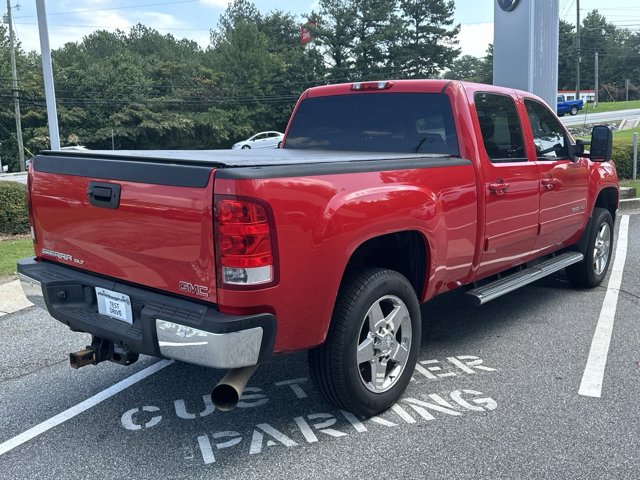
(563,182)
(510,185)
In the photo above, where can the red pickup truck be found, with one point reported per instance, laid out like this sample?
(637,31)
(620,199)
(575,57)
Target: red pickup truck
(383,195)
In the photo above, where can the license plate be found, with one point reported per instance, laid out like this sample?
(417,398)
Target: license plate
(115,305)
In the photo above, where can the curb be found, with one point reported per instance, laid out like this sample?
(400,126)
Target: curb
(12,298)
(629,204)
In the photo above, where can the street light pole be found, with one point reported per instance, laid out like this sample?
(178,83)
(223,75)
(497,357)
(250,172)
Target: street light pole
(14,81)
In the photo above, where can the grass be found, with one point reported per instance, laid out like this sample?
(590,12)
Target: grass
(625,136)
(610,106)
(10,252)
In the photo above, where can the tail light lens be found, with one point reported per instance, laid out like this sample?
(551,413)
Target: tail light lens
(29,204)
(244,242)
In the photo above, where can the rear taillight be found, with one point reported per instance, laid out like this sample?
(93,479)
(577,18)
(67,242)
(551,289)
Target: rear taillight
(244,242)
(29,204)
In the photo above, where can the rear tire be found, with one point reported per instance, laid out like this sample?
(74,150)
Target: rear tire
(574,110)
(591,271)
(372,345)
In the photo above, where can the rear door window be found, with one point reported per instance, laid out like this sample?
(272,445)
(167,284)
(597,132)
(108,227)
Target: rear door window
(376,122)
(500,127)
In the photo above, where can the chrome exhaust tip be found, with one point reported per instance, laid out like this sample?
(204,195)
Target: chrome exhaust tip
(227,392)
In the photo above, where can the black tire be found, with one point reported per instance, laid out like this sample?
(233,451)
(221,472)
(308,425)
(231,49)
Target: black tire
(246,147)
(574,110)
(586,273)
(334,366)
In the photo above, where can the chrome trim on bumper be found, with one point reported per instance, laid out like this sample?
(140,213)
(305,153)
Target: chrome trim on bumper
(32,290)
(215,350)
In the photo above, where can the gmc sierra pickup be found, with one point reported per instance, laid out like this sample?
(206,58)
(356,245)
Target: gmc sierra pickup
(384,195)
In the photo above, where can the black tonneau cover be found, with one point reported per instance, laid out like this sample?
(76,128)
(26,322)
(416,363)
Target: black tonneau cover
(192,168)
(237,158)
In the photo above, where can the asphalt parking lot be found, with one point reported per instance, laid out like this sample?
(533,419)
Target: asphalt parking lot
(500,392)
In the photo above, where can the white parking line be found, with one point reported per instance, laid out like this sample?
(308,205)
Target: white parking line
(591,385)
(81,407)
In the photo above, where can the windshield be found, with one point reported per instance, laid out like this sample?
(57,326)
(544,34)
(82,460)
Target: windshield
(376,122)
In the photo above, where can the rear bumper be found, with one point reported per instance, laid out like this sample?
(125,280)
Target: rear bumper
(163,325)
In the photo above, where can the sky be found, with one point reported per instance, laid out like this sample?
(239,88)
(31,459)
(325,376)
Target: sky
(71,20)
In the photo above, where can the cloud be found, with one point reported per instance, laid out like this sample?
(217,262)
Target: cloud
(162,21)
(474,38)
(108,20)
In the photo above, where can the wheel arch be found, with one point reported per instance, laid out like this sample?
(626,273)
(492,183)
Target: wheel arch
(608,198)
(407,252)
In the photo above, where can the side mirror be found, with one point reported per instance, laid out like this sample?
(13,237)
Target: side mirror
(601,143)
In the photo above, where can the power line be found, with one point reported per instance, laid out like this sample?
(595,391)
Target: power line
(113,8)
(111,27)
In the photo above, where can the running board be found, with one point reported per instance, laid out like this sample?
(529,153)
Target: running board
(486,293)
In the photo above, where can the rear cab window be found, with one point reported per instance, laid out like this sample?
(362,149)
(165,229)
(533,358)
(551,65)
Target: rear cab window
(376,122)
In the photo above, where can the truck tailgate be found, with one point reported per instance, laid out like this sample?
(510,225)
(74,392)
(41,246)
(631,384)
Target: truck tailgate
(138,221)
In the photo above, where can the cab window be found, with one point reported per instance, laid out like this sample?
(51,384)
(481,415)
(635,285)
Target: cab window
(500,127)
(549,137)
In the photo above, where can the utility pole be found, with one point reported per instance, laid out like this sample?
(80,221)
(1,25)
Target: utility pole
(626,84)
(596,81)
(577,49)
(14,81)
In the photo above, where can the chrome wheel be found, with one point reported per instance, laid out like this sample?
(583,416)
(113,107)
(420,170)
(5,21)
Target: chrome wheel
(384,343)
(602,249)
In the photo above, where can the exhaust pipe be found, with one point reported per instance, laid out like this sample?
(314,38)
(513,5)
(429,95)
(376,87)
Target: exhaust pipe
(227,392)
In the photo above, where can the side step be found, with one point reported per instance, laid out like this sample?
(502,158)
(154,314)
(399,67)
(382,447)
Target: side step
(486,293)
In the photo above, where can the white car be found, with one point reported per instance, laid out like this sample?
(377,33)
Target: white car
(261,140)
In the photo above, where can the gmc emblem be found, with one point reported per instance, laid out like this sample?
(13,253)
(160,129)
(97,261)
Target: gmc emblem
(194,289)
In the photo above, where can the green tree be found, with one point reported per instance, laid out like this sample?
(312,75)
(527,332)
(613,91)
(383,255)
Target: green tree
(466,67)
(335,36)
(566,56)
(485,69)
(427,43)
(376,28)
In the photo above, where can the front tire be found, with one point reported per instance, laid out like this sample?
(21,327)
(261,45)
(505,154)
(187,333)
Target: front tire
(372,345)
(246,147)
(591,271)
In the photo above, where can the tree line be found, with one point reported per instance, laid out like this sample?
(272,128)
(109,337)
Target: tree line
(144,90)
(618,57)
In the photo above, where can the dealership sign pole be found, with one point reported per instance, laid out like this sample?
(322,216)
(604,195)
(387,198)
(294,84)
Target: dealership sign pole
(47,72)
(525,49)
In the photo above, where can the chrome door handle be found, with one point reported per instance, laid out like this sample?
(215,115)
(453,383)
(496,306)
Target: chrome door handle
(548,183)
(498,188)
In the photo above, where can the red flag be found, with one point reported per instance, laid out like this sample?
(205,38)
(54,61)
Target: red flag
(305,34)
